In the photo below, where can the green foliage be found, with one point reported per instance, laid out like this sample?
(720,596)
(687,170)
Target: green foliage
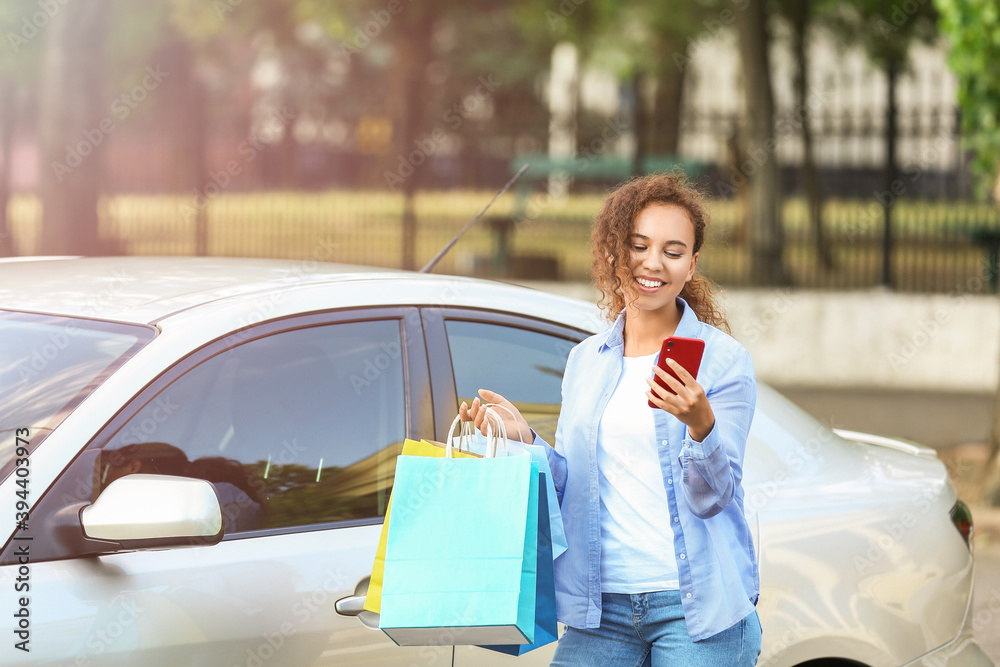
(648,35)
(21,39)
(134,32)
(134,35)
(884,28)
(972,28)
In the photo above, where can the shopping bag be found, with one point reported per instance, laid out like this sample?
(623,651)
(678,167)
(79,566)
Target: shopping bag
(461,561)
(373,598)
(556,528)
(460,564)
(477,444)
(546,627)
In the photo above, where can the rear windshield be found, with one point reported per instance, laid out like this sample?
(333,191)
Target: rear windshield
(48,365)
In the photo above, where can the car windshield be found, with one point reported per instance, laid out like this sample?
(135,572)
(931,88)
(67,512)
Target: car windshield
(48,365)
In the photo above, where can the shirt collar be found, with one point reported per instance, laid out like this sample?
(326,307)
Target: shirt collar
(688,327)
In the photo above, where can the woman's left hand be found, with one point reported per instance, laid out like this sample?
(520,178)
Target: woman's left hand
(690,404)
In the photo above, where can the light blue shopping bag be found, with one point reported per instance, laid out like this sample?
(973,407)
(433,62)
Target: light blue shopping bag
(546,626)
(461,552)
(477,445)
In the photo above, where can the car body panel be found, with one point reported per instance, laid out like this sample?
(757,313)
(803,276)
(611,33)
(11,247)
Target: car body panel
(963,651)
(803,591)
(272,597)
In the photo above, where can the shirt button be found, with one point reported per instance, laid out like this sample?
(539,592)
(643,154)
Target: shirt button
(689,595)
(670,480)
(675,519)
(683,556)
(664,443)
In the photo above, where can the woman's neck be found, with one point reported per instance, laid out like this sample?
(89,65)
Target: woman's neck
(645,329)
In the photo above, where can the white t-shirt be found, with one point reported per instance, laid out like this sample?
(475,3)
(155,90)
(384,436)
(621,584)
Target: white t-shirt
(637,541)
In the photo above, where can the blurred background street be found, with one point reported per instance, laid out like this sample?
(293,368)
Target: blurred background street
(986,596)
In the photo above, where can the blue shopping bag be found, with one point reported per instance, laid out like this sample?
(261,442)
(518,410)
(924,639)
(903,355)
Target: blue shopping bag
(556,528)
(546,627)
(461,562)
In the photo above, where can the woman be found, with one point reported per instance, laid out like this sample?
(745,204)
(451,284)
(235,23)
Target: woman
(660,568)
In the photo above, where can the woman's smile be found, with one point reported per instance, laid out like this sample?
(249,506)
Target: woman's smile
(649,285)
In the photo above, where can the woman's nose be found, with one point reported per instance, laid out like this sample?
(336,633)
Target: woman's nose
(652,261)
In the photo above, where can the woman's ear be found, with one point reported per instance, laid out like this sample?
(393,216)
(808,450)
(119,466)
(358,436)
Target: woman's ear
(694,265)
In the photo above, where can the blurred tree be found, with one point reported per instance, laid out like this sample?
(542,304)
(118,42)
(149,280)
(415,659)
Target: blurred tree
(766,227)
(803,17)
(972,28)
(6,161)
(215,48)
(72,127)
(63,58)
(510,43)
(458,76)
(647,45)
(407,78)
(18,68)
(409,74)
(886,29)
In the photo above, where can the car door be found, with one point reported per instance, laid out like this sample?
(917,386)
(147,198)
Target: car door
(521,358)
(297,424)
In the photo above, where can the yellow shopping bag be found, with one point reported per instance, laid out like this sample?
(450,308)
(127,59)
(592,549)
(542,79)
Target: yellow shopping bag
(428,448)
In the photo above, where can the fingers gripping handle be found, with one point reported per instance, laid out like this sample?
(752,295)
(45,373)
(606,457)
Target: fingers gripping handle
(520,436)
(496,432)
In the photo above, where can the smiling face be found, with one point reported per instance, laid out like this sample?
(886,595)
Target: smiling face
(662,256)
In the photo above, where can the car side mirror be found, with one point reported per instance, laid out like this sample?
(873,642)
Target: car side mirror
(143,511)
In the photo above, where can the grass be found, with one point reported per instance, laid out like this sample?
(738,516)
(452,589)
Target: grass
(934,250)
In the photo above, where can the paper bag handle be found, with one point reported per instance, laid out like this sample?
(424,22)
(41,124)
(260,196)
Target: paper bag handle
(465,433)
(520,437)
(493,438)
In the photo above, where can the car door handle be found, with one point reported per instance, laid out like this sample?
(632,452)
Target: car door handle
(350,606)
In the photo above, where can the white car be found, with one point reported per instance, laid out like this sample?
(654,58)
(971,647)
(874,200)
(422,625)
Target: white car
(207,447)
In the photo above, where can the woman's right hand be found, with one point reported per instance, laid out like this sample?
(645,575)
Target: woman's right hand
(517,427)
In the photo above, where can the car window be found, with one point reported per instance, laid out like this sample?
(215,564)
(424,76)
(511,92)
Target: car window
(299,427)
(524,366)
(49,364)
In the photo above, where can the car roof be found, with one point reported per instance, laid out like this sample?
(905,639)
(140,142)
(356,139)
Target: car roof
(147,290)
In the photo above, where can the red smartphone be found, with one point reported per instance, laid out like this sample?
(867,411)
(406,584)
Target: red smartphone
(685,351)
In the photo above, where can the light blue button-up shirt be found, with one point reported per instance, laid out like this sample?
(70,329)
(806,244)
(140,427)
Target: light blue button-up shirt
(714,549)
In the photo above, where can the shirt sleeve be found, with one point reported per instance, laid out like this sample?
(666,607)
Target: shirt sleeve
(555,454)
(713,468)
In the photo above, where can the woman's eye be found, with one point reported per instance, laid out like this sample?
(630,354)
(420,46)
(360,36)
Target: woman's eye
(638,247)
(673,255)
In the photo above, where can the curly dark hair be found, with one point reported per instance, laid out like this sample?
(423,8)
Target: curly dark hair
(611,243)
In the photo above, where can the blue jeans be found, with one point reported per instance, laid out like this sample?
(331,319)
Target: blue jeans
(648,630)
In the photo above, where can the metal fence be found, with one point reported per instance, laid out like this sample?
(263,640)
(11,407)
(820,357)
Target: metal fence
(939,246)
(850,151)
